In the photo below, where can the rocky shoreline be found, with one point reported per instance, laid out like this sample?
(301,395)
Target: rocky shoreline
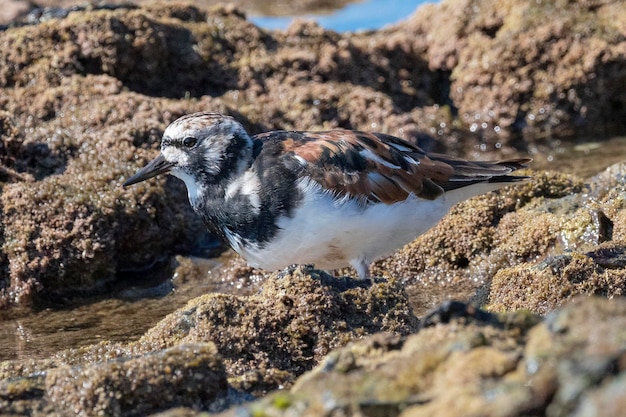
(86,97)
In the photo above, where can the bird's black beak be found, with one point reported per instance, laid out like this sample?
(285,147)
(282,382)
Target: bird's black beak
(158,165)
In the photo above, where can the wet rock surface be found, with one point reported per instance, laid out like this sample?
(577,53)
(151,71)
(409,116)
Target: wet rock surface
(85,96)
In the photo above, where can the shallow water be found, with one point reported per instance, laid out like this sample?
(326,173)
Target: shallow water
(584,157)
(125,316)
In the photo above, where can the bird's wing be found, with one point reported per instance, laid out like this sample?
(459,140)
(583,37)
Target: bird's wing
(379,167)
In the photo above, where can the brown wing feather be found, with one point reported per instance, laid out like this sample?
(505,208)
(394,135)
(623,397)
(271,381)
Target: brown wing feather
(381,167)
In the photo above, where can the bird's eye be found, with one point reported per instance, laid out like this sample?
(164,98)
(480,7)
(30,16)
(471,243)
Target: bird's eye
(189,142)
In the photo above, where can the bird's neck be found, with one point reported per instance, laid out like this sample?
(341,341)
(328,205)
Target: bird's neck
(206,188)
(226,213)
(238,209)
(230,202)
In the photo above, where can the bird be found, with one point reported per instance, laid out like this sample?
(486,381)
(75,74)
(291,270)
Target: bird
(332,198)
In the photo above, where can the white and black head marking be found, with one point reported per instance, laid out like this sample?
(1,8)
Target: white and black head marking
(201,149)
(204,145)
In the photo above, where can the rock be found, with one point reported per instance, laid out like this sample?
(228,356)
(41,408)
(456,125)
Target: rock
(189,375)
(538,67)
(583,238)
(297,318)
(71,233)
(572,362)
(255,343)
(543,287)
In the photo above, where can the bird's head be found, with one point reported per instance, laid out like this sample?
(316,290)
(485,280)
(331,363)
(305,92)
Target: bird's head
(201,149)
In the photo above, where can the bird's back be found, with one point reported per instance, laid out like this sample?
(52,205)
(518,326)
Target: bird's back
(375,166)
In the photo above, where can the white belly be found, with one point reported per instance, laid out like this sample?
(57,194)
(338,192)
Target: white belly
(332,234)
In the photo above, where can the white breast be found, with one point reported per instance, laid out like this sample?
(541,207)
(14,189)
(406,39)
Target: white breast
(333,233)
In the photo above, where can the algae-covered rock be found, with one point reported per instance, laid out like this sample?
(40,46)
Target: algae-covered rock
(569,363)
(189,375)
(296,319)
(256,343)
(73,232)
(544,286)
(569,246)
(529,67)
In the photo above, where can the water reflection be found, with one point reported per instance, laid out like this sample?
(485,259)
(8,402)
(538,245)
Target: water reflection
(127,315)
(583,157)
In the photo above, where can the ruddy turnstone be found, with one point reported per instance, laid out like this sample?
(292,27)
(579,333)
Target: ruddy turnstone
(331,199)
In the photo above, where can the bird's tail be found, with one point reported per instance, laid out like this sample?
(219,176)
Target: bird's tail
(472,172)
